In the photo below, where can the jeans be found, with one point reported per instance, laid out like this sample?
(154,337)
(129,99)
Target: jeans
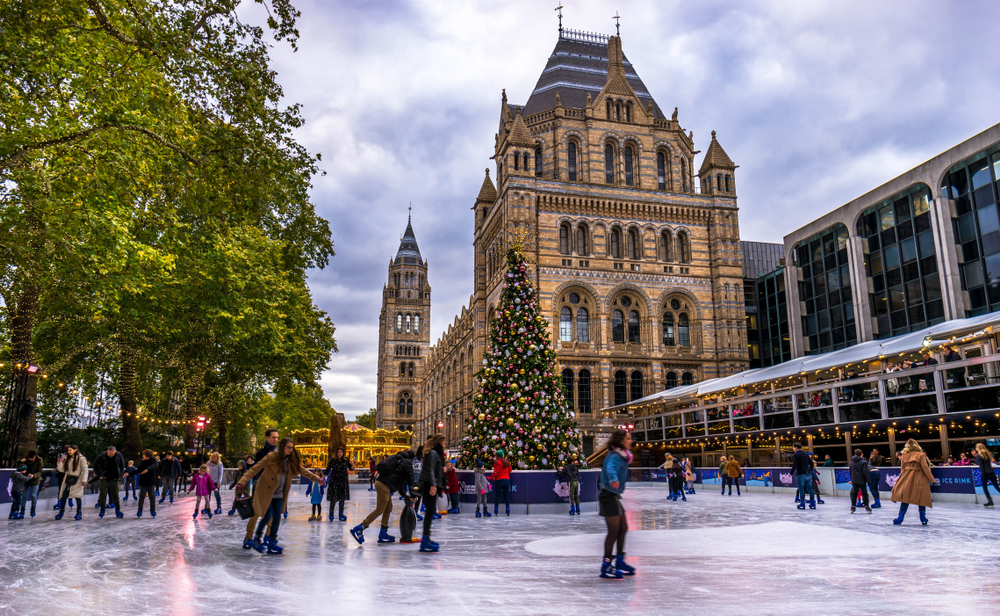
(166,485)
(873,488)
(453,499)
(383,505)
(32,495)
(109,486)
(149,491)
(574,493)
(855,489)
(502,489)
(987,479)
(218,499)
(272,515)
(425,489)
(16,504)
(133,481)
(805,485)
(904,506)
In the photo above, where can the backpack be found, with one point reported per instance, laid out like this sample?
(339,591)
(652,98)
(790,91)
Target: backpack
(389,466)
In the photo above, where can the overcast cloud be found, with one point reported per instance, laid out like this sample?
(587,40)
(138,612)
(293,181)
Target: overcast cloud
(817,102)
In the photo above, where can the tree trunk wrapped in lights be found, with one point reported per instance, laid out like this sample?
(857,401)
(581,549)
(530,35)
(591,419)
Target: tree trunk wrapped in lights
(520,407)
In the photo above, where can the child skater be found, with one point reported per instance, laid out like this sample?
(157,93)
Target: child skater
(482,490)
(316,490)
(130,480)
(203,487)
(452,487)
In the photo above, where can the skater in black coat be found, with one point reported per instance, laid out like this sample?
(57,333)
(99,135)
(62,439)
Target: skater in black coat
(147,477)
(859,479)
(338,487)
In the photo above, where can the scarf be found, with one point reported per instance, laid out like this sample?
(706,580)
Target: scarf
(624,453)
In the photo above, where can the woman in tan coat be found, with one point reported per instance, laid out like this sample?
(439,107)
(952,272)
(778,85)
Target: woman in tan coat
(75,472)
(913,486)
(277,471)
(733,474)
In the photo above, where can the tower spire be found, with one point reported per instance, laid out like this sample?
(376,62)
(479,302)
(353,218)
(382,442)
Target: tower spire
(618,26)
(559,12)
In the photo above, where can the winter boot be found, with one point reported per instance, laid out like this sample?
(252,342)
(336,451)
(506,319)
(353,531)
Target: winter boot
(988,503)
(801,505)
(384,536)
(812,503)
(621,566)
(78,516)
(258,545)
(119,514)
(486,513)
(877,505)
(868,509)
(508,511)
(232,512)
(426,545)
(101,514)
(923,518)
(218,511)
(853,508)
(608,570)
(358,532)
(247,544)
(343,518)
(195,516)
(479,513)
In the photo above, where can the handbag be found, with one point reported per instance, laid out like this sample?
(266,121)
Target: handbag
(561,489)
(71,480)
(244,507)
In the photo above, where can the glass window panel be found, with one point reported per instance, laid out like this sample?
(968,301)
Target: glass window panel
(912,291)
(963,205)
(881,304)
(958,183)
(836,317)
(932,288)
(821,302)
(893,277)
(973,273)
(996,166)
(848,312)
(980,172)
(911,272)
(921,204)
(970,250)
(878,283)
(875,263)
(993,269)
(922,223)
(886,219)
(977,297)
(904,230)
(891,257)
(898,321)
(908,248)
(925,244)
(991,243)
(565,325)
(988,222)
(935,310)
(916,314)
(902,209)
(582,325)
(928,265)
(824,320)
(833,280)
(896,300)
(845,276)
(984,196)
(966,227)
(889,237)
(869,226)
(816,248)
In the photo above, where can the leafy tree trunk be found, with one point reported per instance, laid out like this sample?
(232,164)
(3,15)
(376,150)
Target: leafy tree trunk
(191,411)
(132,445)
(22,329)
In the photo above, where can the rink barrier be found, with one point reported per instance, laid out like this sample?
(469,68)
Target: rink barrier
(531,491)
(952,484)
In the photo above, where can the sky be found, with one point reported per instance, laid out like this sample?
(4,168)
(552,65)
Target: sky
(818,102)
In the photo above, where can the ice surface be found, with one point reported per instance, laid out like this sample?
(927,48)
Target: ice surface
(754,554)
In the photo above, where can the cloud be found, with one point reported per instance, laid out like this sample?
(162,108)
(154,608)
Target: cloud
(817,102)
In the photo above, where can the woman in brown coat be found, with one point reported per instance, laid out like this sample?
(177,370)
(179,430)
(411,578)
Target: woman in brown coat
(277,471)
(913,486)
(733,474)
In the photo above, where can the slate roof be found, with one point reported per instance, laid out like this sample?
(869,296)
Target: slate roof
(716,157)
(488,192)
(408,251)
(576,68)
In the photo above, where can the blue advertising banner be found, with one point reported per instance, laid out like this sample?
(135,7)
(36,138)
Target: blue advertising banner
(757,476)
(843,477)
(709,477)
(5,484)
(531,486)
(947,479)
(783,478)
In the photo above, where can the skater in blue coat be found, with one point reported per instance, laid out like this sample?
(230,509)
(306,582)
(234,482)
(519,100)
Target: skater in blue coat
(315,493)
(614,474)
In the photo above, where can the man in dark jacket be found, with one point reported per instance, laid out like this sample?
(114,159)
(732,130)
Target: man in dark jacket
(167,470)
(802,467)
(270,442)
(146,471)
(34,463)
(394,474)
(109,468)
(571,474)
(876,459)
(859,479)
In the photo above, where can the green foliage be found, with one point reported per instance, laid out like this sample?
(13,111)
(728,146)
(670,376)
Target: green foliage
(520,408)
(297,408)
(367,420)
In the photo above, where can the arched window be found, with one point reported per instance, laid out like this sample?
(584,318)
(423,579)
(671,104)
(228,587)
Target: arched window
(629,177)
(402,369)
(404,403)
(582,325)
(407,323)
(661,170)
(632,244)
(628,111)
(617,326)
(633,326)
(564,239)
(416,323)
(636,386)
(525,161)
(517,161)
(409,370)
(687,379)
(621,388)
(566,324)
(582,241)
(399,322)
(684,247)
(609,164)
(718,182)
(607,108)
(538,162)
(616,243)
(571,156)
(729,184)
(666,246)
(671,380)
(618,111)
(683,331)
(567,381)
(668,329)
(583,392)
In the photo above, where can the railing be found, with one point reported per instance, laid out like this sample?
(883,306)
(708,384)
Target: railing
(966,386)
(586,37)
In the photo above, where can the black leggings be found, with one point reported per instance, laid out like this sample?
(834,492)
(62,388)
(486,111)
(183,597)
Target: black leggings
(732,481)
(863,489)
(317,510)
(144,492)
(617,527)
(988,479)
(425,488)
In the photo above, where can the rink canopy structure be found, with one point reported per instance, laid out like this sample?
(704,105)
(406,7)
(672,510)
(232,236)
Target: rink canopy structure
(858,397)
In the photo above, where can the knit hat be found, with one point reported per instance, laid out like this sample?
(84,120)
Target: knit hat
(23,467)
(479,463)
(499,453)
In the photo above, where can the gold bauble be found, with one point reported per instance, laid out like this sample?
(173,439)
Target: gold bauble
(482,416)
(521,400)
(522,371)
(574,456)
(563,444)
(539,446)
(531,458)
(510,421)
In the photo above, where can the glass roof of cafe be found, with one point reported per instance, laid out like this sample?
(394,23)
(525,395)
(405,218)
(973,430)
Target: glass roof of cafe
(935,336)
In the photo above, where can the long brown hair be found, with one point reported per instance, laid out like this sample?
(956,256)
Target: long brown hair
(75,456)
(434,441)
(617,440)
(912,445)
(294,460)
(984,452)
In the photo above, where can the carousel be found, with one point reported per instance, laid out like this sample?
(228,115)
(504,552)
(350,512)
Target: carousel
(362,443)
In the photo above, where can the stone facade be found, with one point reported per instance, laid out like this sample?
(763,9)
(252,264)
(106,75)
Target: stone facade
(639,270)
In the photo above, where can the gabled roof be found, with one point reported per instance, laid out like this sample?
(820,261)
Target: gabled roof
(716,157)
(408,251)
(488,192)
(577,67)
(519,133)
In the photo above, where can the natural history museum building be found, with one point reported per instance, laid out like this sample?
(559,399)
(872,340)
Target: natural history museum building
(638,264)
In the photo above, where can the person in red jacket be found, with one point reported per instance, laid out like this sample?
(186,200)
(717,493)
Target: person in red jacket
(501,482)
(451,481)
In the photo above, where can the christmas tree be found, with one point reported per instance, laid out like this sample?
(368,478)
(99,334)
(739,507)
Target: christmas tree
(520,408)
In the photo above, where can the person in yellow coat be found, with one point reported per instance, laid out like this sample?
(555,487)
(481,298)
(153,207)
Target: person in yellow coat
(913,486)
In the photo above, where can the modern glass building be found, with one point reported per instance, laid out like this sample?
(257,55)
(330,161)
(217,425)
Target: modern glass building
(764,294)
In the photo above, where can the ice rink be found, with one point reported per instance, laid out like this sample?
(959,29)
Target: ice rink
(754,554)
